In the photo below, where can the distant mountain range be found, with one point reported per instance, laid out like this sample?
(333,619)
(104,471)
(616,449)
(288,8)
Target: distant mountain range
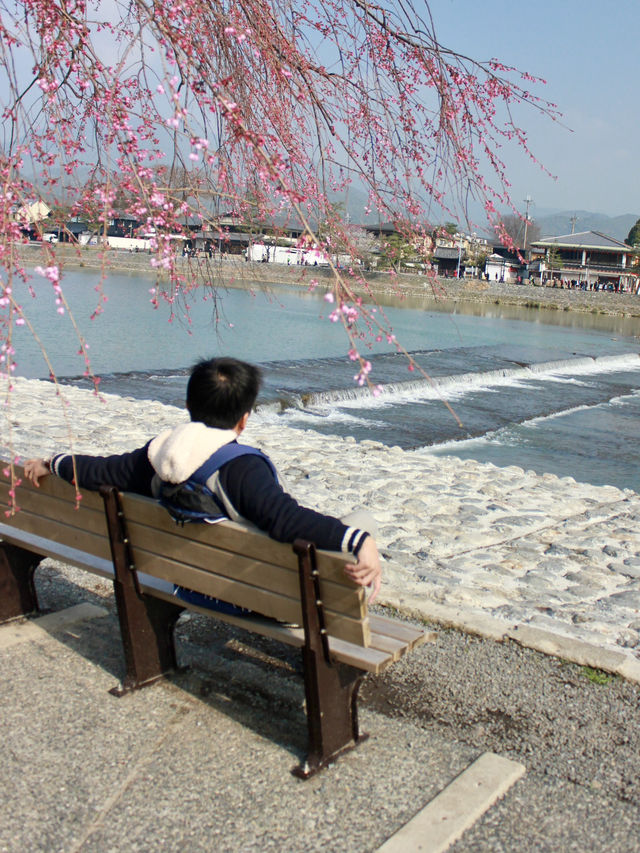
(557,224)
(552,223)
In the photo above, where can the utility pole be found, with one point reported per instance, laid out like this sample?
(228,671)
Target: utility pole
(528,200)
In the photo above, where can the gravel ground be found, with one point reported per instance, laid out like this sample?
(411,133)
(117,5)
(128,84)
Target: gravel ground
(577,731)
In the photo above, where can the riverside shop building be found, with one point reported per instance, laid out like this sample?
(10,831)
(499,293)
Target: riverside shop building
(588,260)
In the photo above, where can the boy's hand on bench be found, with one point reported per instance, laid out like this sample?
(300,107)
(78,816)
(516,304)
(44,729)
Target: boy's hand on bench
(35,469)
(367,571)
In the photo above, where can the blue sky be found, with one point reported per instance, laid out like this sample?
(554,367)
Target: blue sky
(589,54)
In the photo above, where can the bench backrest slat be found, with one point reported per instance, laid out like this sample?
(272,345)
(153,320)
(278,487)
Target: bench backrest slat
(231,537)
(57,551)
(260,599)
(224,560)
(71,537)
(54,488)
(148,542)
(48,514)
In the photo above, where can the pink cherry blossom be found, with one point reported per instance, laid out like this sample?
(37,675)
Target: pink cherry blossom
(178,112)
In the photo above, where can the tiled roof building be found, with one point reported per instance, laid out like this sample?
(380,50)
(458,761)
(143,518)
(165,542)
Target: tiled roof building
(586,257)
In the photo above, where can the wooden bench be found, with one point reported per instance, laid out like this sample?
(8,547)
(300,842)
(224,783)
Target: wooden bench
(133,541)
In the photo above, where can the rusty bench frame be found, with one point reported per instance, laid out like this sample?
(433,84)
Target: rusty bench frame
(333,669)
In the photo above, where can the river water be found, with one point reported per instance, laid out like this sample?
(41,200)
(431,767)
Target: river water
(552,391)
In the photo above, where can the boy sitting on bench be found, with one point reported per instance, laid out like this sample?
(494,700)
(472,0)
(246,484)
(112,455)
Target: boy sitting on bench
(241,481)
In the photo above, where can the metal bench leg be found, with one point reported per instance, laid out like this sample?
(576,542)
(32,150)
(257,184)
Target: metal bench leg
(146,623)
(331,690)
(17,590)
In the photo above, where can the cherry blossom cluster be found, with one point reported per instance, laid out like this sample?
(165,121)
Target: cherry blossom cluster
(186,110)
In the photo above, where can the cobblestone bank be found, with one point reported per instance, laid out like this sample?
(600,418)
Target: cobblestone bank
(496,551)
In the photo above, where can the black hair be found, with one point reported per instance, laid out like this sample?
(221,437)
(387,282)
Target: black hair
(221,390)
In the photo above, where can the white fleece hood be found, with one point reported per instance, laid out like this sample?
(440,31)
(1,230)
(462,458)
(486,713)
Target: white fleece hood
(176,453)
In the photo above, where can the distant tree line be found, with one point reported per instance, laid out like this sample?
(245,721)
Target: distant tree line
(633,237)
(522,236)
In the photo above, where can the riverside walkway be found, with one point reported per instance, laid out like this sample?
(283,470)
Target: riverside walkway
(201,762)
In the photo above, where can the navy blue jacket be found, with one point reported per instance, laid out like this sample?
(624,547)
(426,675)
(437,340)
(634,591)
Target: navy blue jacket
(247,481)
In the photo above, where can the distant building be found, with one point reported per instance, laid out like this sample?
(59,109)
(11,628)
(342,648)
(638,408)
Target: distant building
(32,213)
(290,255)
(586,259)
(504,265)
(447,261)
(122,224)
(382,229)
(224,241)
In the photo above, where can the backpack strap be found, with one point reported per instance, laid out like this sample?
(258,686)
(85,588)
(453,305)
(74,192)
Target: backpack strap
(225,454)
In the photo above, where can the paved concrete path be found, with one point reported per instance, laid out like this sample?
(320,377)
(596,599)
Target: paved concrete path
(188,764)
(202,762)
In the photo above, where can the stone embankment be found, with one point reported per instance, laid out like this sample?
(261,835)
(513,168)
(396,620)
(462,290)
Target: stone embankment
(500,552)
(233,271)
